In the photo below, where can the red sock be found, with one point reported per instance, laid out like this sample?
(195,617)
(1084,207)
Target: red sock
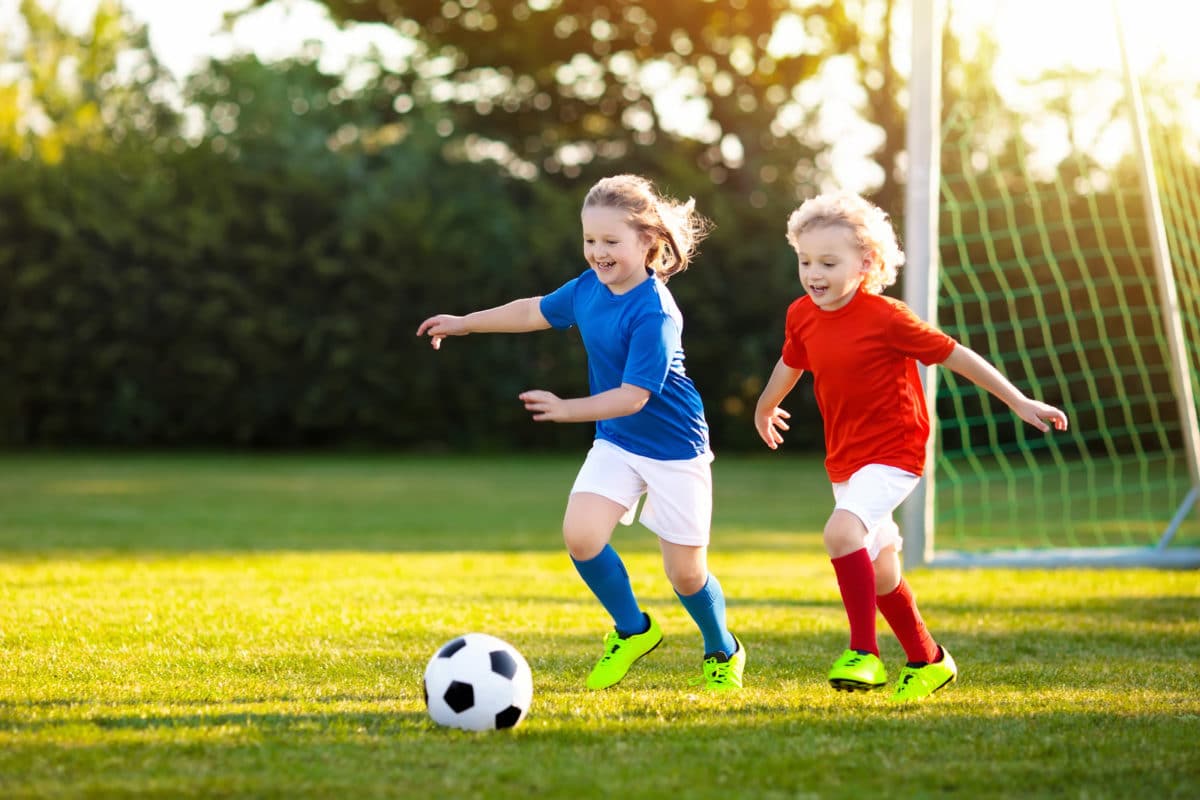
(899,608)
(856,580)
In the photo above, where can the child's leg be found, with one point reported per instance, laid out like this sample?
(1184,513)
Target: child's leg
(700,593)
(899,607)
(860,528)
(587,529)
(606,492)
(845,535)
(930,667)
(679,511)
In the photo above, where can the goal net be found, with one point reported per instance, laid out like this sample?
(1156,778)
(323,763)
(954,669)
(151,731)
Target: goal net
(1058,211)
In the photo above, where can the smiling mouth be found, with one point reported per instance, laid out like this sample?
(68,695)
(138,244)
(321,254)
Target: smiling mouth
(604,265)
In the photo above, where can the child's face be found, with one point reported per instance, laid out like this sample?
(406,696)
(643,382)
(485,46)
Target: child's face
(832,265)
(614,249)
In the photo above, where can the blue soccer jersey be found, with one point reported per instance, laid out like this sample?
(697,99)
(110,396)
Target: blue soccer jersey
(635,338)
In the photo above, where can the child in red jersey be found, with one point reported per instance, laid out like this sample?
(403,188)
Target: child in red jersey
(862,349)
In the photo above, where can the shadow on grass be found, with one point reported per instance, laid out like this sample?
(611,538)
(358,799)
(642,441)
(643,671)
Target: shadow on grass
(1042,709)
(81,702)
(1041,662)
(640,742)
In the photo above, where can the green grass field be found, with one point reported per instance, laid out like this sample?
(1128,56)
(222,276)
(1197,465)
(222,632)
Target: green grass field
(257,626)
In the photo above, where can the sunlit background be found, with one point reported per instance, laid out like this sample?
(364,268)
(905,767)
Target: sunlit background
(1032,39)
(245,208)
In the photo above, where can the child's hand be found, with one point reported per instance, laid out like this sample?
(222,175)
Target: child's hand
(440,327)
(1038,414)
(545,406)
(770,424)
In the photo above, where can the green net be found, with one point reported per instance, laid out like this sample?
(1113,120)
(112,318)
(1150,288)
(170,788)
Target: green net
(1047,271)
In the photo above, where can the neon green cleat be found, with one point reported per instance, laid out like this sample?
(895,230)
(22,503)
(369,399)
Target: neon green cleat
(857,671)
(723,673)
(620,653)
(917,683)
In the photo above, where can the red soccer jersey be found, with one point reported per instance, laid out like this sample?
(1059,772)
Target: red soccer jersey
(863,358)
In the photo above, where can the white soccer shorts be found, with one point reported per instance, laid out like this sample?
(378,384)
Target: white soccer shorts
(872,494)
(678,507)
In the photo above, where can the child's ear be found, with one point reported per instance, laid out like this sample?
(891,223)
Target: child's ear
(870,258)
(653,251)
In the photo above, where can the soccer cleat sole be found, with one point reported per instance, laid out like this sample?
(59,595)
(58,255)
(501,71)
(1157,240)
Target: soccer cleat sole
(948,681)
(845,685)
(648,652)
(932,692)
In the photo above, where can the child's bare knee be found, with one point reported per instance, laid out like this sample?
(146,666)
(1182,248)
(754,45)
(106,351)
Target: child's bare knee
(583,543)
(687,580)
(844,533)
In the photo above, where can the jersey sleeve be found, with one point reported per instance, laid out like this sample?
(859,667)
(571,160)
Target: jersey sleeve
(653,341)
(795,355)
(916,338)
(558,307)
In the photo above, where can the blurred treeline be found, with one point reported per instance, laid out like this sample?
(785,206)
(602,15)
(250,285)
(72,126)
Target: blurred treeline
(242,258)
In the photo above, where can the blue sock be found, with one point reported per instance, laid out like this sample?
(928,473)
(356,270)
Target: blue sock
(605,575)
(707,608)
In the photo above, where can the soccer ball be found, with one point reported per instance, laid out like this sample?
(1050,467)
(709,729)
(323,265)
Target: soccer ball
(478,683)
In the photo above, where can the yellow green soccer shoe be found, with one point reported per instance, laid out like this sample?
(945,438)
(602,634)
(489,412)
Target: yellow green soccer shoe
(620,653)
(857,671)
(723,673)
(917,683)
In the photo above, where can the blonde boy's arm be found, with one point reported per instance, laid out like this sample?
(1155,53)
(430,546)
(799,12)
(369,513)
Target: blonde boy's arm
(975,368)
(769,418)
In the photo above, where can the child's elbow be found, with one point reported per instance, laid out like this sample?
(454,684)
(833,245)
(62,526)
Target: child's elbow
(637,398)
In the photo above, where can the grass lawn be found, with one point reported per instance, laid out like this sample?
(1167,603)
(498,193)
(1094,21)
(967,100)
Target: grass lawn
(257,626)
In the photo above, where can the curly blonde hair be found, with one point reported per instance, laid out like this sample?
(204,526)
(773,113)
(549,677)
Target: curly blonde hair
(675,227)
(870,224)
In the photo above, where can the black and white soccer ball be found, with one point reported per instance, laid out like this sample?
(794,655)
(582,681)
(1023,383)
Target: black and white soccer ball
(478,682)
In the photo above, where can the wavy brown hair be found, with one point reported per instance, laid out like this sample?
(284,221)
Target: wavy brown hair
(676,228)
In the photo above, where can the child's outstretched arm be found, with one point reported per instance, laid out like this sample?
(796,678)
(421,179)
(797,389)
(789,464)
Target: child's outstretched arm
(975,368)
(519,316)
(769,418)
(622,401)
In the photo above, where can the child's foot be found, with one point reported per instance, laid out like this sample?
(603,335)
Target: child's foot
(857,671)
(919,681)
(723,673)
(620,653)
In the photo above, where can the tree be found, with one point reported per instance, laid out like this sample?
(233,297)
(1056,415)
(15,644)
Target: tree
(93,90)
(561,83)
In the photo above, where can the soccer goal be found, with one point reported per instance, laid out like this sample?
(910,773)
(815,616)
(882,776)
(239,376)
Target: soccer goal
(1052,223)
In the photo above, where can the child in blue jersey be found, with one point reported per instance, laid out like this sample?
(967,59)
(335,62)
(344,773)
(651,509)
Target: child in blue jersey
(651,434)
